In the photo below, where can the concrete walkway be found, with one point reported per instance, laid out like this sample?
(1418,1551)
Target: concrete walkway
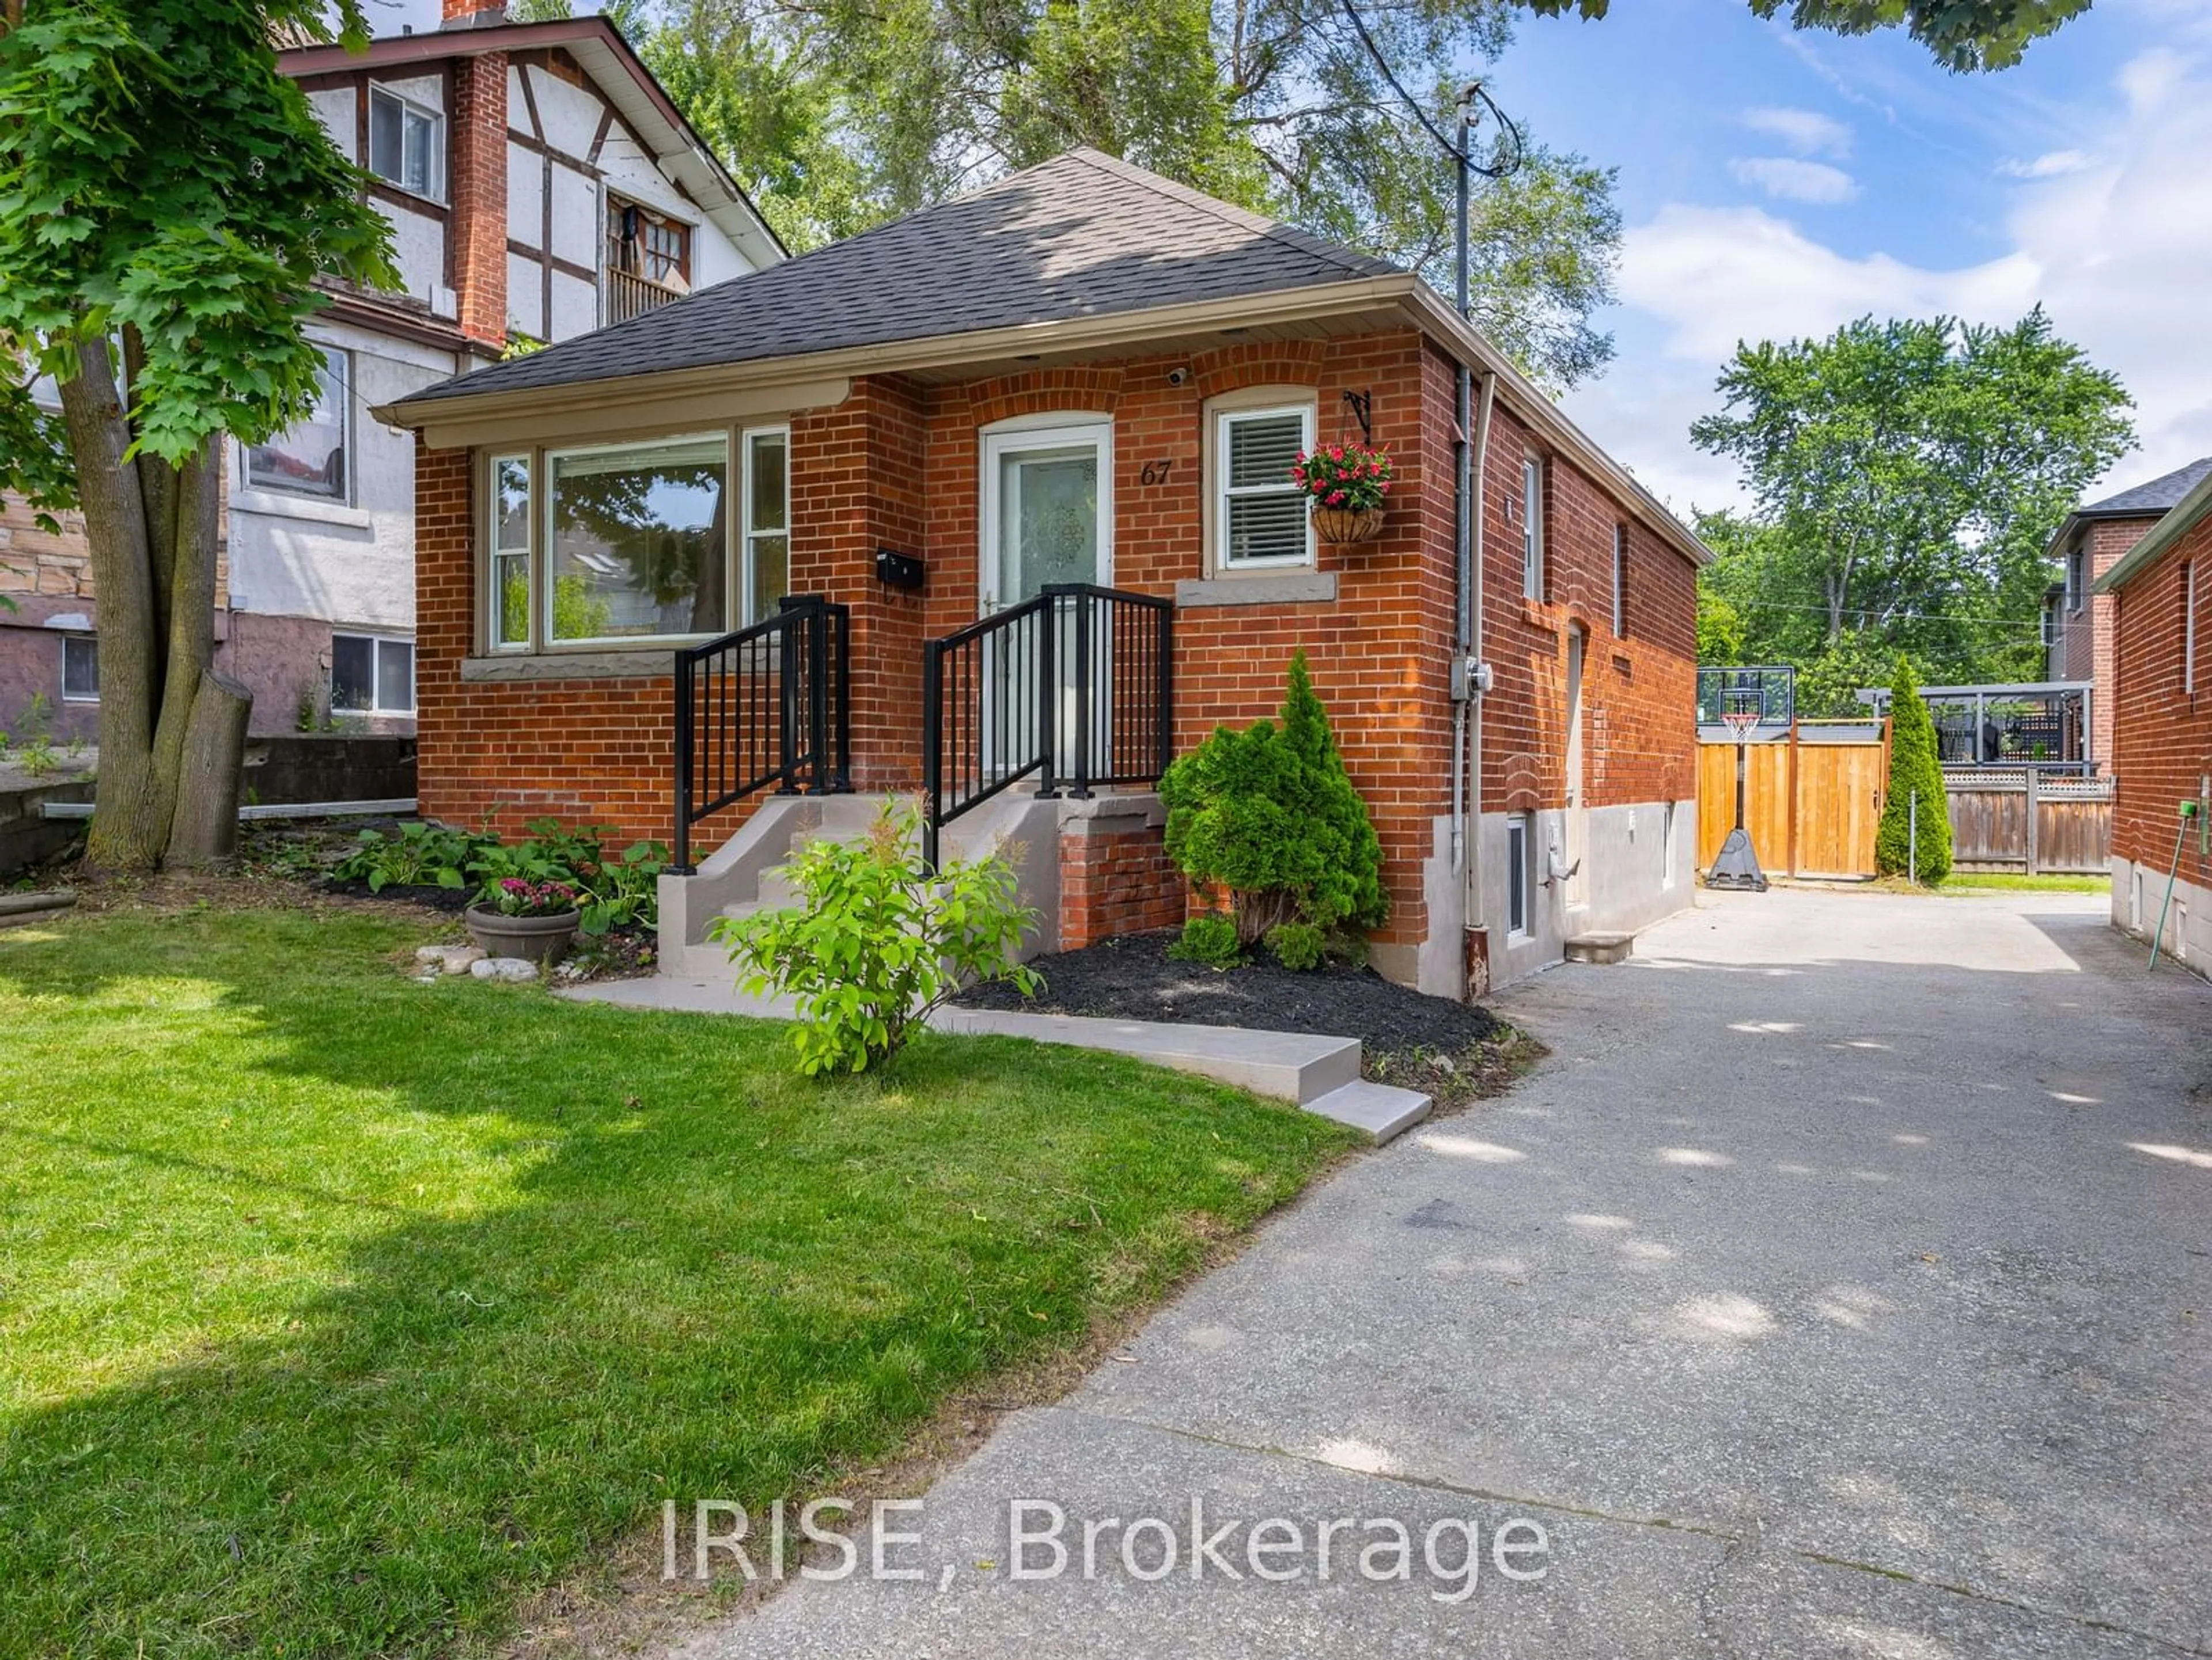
(1842,1287)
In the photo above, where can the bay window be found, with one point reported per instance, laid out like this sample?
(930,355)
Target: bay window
(613,545)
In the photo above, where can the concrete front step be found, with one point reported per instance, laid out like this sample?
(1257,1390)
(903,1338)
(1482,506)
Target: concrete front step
(1599,947)
(1382,1110)
(1289,1066)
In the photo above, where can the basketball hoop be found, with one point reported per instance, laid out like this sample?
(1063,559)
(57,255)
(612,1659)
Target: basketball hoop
(1737,867)
(1740,724)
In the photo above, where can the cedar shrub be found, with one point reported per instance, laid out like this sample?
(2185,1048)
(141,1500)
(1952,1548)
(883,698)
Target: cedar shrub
(1914,767)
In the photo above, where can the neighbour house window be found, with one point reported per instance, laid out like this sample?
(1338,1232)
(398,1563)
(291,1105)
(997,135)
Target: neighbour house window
(80,669)
(2074,578)
(1260,513)
(1516,873)
(1532,528)
(622,544)
(1620,582)
(372,676)
(406,144)
(309,457)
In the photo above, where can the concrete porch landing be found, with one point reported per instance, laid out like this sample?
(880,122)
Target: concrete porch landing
(1320,1073)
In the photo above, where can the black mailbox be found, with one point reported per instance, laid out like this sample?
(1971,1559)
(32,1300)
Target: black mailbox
(898,570)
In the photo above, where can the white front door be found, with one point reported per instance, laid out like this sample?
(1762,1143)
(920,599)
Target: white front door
(1048,518)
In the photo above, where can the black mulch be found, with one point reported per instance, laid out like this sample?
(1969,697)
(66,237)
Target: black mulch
(452,901)
(1132,978)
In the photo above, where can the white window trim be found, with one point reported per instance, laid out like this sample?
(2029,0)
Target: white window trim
(438,191)
(1221,492)
(1061,430)
(1667,844)
(1619,580)
(69,696)
(541,531)
(376,642)
(1532,528)
(2077,571)
(494,608)
(746,534)
(258,491)
(1516,876)
(2189,629)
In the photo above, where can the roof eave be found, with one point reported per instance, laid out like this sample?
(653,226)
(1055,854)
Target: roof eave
(2177,523)
(1436,317)
(921,352)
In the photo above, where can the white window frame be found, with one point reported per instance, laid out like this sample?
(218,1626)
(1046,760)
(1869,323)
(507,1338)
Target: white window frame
(73,641)
(1619,580)
(1222,492)
(1532,528)
(376,643)
(342,359)
(542,586)
(494,596)
(746,534)
(1667,844)
(1068,429)
(435,189)
(1519,890)
(2189,629)
(2077,563)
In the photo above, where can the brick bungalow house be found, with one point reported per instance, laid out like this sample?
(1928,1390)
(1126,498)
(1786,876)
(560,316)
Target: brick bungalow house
(538,181)
(1084,374)
(2160,595)
(2077,626)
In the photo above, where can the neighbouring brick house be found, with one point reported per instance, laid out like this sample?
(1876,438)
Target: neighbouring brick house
(2077,626)
(2160,591)
(539,182)
(1082,374)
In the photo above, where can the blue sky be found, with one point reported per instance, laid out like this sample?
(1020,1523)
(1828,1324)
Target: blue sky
(1775,183)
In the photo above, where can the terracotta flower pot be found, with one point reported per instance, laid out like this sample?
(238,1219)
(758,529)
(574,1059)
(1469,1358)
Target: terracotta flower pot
(1339,526)
(534,939)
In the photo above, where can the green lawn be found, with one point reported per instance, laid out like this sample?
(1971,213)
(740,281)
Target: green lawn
(337,1311)
(1971,881)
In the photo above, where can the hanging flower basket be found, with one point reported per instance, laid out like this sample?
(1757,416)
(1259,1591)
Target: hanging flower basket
(1346,484)
(1340,526)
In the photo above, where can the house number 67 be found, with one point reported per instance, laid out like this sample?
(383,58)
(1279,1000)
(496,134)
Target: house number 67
(1155,472)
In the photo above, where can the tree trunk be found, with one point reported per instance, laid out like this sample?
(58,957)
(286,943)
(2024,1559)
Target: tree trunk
(204,829)
(152,533)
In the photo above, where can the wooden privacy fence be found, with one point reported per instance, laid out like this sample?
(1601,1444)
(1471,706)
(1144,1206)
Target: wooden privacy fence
(2024,821)
(1812,800)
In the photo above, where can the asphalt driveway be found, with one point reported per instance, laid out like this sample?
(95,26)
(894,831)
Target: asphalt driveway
(1842,1286)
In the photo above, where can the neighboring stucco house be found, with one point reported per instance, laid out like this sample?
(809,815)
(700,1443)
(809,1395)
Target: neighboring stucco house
(2160,594)
(1086,375)
(2077,627)
(539,183)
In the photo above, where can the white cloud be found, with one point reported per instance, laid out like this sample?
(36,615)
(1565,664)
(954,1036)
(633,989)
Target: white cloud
(1809,133)
(2114,249)
(2052,164)
(1795,181)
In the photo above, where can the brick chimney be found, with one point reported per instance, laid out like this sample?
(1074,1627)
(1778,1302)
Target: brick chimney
(473,14)
(478,163)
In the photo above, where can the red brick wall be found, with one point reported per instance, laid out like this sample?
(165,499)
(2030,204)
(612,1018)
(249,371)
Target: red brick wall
(1638,690)
(2084,650)
(2164,735)
(897,465)
(477,229)
(1117,882)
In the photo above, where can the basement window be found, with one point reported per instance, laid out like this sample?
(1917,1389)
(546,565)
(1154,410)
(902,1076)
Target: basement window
(80,669)
(1516,876)
(372,676)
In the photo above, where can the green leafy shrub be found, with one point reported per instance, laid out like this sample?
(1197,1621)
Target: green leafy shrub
(1270,815)
(878,941)
(417,853)
(612,889)
(1298,946)
(1209,938)
(1915,769)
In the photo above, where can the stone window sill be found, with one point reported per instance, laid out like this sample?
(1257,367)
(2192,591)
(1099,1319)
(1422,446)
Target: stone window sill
(573,665)
(1302,588)
(279,504)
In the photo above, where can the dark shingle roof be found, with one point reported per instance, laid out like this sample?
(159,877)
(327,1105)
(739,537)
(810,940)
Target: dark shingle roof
(1081,236)
(2148,501)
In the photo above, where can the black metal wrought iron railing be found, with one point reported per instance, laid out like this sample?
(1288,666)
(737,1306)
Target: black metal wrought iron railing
(770,705)
(1075,687)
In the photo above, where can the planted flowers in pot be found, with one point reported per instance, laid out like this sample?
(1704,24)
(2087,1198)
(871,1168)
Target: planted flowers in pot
(1346,484)
(515,917)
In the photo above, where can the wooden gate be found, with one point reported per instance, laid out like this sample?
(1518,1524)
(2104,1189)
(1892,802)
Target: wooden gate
(1812,807)
(2018,820)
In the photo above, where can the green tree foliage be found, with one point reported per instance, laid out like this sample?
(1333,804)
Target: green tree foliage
(1914,774)
(1906,476)
(843,113)
(1270,815)
(163,187)
(1963,34)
